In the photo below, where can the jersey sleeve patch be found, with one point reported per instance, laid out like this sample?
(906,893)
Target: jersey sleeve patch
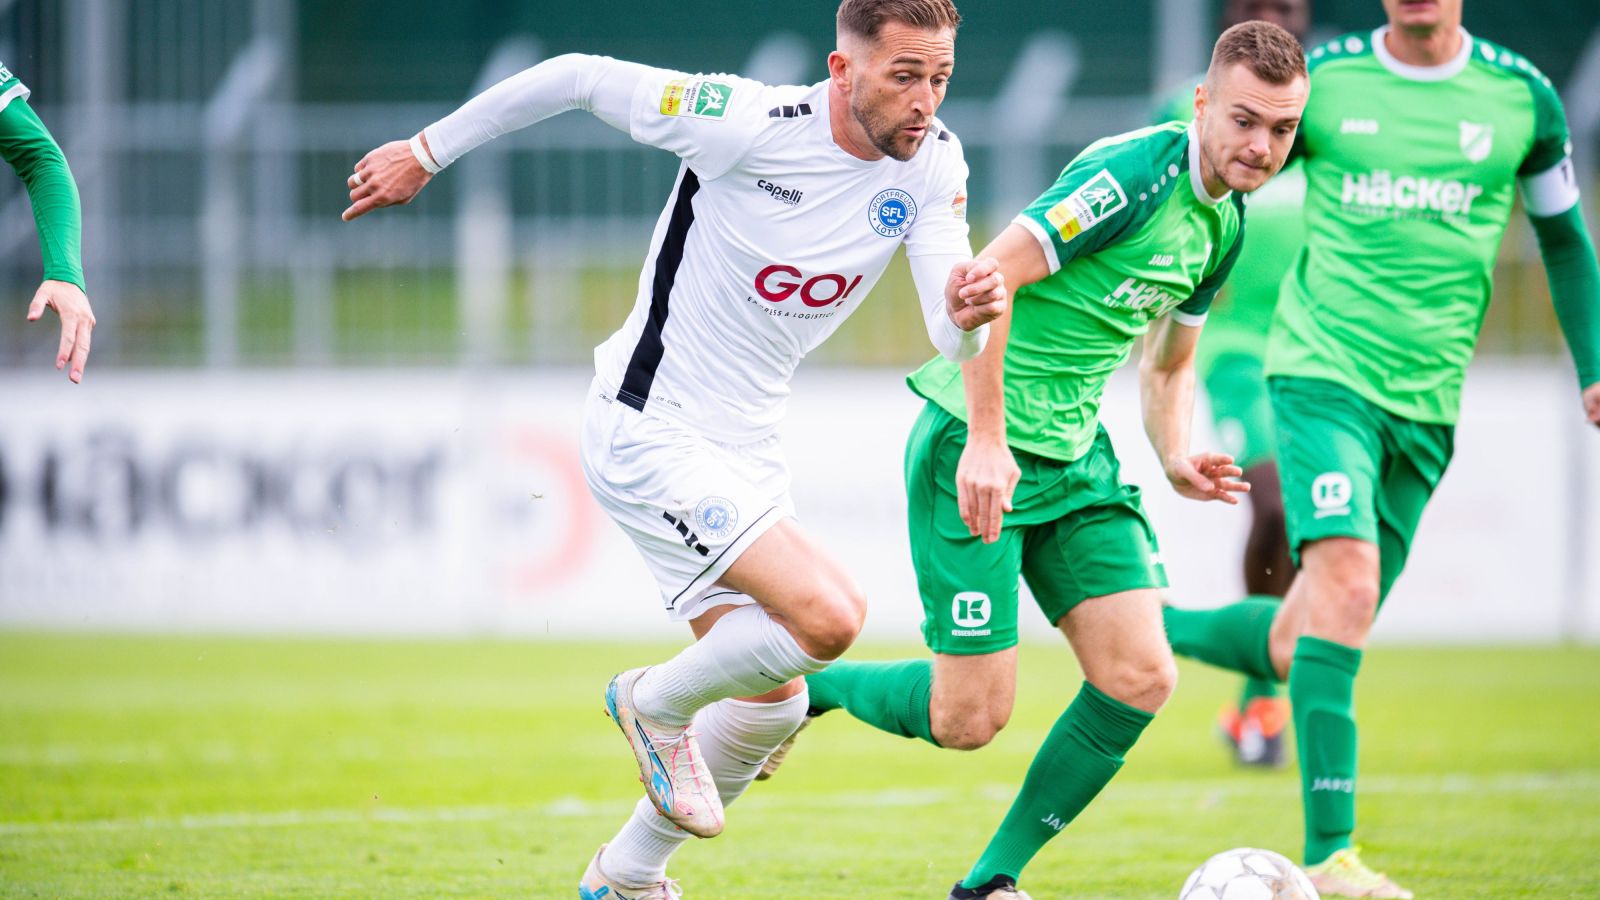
(10,87)
(696,98)
(1092,203)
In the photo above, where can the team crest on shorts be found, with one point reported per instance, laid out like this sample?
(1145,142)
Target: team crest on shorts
(891,212)
(716,517)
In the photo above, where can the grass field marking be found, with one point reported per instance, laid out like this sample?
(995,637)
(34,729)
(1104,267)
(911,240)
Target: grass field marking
(1186,792)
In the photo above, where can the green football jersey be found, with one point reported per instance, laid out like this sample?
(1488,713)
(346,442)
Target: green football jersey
(1410,175)
(1243,310)
(1130,235)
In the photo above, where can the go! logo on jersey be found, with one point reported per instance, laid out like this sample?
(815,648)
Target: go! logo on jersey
(778,283)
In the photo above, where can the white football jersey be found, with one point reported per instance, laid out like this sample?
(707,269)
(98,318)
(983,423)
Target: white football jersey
(772,237)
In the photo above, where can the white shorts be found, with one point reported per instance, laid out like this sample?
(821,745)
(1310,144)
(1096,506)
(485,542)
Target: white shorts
(691,505)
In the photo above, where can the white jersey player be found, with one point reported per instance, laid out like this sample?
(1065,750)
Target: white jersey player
(788,206)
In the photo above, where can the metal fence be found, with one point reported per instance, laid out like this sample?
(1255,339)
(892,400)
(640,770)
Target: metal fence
(211,198)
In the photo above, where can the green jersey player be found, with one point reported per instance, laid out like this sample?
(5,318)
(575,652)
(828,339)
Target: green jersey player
(30,150)
(1009,473)
(1231,363)
(1415,140)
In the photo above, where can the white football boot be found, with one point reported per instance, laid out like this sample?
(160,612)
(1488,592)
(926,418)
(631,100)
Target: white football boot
(1345,875)
(670,765)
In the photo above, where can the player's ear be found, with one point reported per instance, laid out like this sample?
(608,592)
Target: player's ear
(1199,101)
(839,70)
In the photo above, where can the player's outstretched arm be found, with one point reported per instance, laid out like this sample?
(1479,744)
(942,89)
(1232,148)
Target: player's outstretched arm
(712,133)
(27,145)
(394,173)
(987,473)
(1166,391)
(1574,276)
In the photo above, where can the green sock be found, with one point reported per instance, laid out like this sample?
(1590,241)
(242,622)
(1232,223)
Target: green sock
(889,696)
(1321,689)
(1259,688)
(1256,689)
(1234,637)
(1081,753)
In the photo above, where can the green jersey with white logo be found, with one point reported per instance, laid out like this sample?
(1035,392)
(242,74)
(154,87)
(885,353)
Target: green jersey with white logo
(1411,173)
(1130,235)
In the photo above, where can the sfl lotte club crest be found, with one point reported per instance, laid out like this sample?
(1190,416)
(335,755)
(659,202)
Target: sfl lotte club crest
(891,212)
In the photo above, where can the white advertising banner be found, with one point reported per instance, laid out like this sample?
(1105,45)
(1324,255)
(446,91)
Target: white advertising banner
(452,503)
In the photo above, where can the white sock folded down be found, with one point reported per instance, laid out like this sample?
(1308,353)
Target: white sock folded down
(736,737)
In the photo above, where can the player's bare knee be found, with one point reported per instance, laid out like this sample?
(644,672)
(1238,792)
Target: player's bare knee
(1142,683)
(831,626)
(1355,605)
(968,729)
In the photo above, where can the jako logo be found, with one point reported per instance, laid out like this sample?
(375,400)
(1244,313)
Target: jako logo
(1338,785)
(775,283)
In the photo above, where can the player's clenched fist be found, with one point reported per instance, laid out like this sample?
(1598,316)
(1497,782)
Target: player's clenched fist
(388,176)
(976,293)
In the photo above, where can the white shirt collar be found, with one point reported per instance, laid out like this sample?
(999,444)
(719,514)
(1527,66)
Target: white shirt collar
(1195,181)
(1442,71)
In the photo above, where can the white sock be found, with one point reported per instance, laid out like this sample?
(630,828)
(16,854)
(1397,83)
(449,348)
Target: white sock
(745,654)
(736,737)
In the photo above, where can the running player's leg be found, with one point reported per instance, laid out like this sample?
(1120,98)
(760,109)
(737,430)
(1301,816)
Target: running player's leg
(710,521)
(735,735)
(1096,574)
(1356,479)
(969,598)
(1255,726)
(807,611)
(1128,674)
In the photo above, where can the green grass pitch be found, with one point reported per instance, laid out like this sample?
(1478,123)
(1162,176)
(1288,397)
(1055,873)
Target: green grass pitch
(235,767)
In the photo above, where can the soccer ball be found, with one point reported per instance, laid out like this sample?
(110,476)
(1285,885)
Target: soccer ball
(1248,874)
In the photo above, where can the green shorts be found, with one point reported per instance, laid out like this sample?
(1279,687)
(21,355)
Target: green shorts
(1352,469)
(1236,384)
(1075,532)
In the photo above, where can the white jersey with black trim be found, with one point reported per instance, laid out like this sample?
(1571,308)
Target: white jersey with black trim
(773,236)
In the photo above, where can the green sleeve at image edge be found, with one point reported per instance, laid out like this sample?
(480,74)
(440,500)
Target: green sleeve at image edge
(1569,261)
(27,145)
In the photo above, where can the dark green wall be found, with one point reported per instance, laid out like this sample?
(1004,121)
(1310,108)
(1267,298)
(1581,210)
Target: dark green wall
(421,49)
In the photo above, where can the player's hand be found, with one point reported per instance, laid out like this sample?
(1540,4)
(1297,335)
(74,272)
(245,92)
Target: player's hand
(976,293)
(1591,403)
(77,320)
(985,478)
(388,176)
(1206,476)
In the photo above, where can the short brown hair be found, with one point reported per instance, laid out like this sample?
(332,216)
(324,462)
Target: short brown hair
(864,18)
(1270,52)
